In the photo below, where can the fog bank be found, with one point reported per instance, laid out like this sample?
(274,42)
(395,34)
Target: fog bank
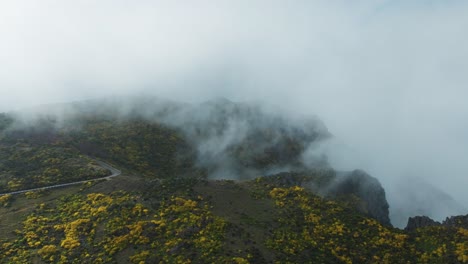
(388,78)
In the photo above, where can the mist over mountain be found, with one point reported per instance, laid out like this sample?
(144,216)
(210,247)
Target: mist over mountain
(232,139)
(240,141)
(387,77)
(240,175)
(336,101)
(416,197)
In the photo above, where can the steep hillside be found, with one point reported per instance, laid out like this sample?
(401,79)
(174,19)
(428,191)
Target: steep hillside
(228,140)
(32,157)
(218,222)
(169,205)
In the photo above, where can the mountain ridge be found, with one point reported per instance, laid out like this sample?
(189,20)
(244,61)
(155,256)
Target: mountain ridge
(170,205)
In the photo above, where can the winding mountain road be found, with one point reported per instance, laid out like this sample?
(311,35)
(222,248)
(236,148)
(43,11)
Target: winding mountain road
(115,172)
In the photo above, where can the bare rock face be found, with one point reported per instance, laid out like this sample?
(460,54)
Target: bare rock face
(457,221)
(368,189)
(424,221)
(420,221)
(356,188)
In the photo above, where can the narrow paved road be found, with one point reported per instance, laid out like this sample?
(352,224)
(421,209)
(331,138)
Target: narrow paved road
(115,173)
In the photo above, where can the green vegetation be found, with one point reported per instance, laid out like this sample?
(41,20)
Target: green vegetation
(24,165)
(288,225)
(163,209)
(148,148)
(40,155)
(99,228)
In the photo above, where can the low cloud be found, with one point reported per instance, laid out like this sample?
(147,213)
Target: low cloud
(388,78)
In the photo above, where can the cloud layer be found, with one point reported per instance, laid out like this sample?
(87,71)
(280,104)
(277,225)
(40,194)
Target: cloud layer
(389,78)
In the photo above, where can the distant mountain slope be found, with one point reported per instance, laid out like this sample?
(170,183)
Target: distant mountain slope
(247,140)
(169,207)
(32,157)
(229,140)
(161,139)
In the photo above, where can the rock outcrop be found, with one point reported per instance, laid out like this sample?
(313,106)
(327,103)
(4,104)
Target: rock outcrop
(457,221)
(420,221)
(460,221)
(357,188)
(365,187)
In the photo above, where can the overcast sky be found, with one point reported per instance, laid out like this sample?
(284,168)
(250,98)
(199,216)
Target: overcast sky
(389,78)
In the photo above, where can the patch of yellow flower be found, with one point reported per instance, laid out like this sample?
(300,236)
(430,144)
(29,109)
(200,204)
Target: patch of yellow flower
(5,200)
